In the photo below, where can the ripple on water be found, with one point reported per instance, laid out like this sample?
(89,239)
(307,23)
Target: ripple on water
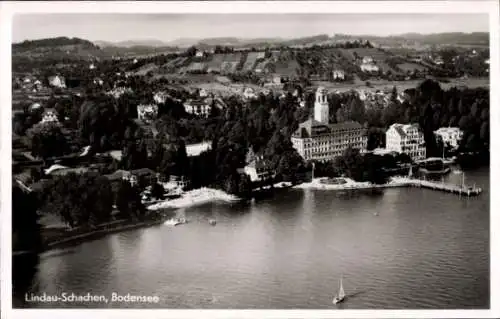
(425,250)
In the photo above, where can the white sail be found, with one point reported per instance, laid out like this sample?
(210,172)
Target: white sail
(341,290)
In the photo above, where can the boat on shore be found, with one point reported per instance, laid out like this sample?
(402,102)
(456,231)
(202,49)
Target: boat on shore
(434,166)
(175,221)
(436,172)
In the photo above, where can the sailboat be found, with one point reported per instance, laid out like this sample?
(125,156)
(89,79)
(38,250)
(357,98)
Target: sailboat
(341,294)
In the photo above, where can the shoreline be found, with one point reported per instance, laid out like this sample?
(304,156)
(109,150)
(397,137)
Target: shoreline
(351,184)
(189,199)
(74,239)
(195,197)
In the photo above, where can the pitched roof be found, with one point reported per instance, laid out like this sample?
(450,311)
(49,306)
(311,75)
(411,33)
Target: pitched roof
(311,127)
(116,175)
(142,171)
(399,129)
(402,129)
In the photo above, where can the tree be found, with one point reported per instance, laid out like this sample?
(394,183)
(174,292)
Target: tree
(47,140)
(157,191)
(26,238)
(484,134)
(80,200)
(25,220)
(128,201)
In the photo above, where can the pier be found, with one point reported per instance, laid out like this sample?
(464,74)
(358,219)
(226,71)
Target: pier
(462,190)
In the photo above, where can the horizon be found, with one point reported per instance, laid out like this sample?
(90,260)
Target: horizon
(173,27)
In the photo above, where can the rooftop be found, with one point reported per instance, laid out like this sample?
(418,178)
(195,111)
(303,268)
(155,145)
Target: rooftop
(198,148)
(311,127)
(402,129)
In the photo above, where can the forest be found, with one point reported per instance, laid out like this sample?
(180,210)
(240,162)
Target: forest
(263,125)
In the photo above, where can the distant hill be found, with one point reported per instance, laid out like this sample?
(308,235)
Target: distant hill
(132,43)
(78,48)
(451,38)
(455,38)
(53,42)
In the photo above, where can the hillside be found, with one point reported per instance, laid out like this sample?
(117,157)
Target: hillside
(456,38)
(56,48)
(53,42)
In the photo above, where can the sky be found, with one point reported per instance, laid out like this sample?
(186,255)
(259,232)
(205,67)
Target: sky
(168,27)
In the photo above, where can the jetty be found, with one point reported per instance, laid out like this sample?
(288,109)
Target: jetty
(462,190)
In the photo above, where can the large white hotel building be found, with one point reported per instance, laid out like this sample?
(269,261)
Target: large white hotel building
(317,139)
(406,138)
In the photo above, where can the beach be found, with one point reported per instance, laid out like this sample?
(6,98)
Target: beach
(349,184)
(195,197)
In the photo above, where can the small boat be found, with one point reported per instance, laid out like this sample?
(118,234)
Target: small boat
(341,294)
(175,221)
(375,214)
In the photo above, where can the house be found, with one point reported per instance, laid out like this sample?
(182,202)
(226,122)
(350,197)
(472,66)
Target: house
(260,55)
(147,112)
(175,183)
(161,97)
(141,174)
(199,108)
(35,106)
(276,79)
(449,135)
(338,75)
(367,60)
(119,91)
(200,54)
(249,93)
(60,170)
(362,95)
(438,61)
(57,81)
(203,93)
(368,67)
(406,138)
(197,148)
(133,177)
(257,168)
(49,116)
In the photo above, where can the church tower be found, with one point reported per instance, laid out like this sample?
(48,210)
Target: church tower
(321,112)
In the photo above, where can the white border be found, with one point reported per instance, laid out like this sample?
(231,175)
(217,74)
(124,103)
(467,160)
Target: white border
(7,9)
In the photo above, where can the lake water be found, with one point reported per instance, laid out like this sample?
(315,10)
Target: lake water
(424,250)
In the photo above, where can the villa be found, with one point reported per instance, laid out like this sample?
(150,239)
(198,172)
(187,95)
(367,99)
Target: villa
(449,135)
(147,113)
(408,139)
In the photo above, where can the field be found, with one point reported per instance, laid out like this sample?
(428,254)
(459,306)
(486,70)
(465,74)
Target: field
(217,63)
(151,67)
(405,67)
(376,54)
(223,88)
(385,67)
(251,60)
(401,85)
(262,66)
(194,67)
